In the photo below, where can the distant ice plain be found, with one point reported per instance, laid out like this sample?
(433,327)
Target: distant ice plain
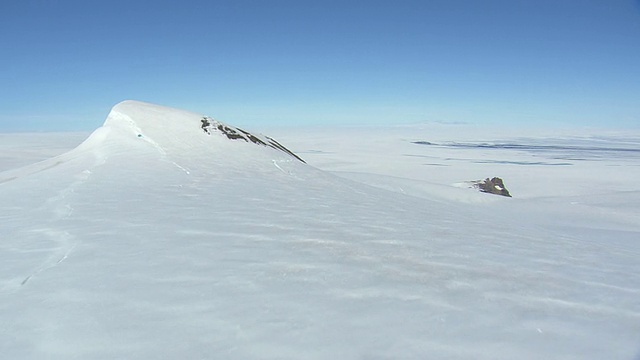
(551,273)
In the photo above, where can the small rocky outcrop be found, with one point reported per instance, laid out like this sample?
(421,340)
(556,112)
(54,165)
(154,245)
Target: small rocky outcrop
(210,125)
(492,186)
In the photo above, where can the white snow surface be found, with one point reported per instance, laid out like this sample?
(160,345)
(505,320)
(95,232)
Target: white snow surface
(154,240)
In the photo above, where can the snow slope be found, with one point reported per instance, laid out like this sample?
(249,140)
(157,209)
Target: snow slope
(156,240)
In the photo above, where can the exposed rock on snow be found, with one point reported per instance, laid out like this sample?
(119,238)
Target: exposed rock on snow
(210,125)
(492,186)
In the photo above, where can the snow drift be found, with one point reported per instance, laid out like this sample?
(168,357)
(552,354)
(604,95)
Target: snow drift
(163,237)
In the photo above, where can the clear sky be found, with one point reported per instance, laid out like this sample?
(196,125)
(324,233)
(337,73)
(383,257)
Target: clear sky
(64,64)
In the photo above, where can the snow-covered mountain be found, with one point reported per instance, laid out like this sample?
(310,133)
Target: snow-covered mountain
(167,234)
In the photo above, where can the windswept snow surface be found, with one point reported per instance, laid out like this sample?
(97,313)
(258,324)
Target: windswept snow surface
(155,240)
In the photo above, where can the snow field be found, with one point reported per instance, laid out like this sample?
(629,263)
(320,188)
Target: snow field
(179,244)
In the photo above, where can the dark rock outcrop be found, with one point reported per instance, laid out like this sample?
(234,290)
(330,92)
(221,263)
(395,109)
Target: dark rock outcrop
(210,125)
(492,186)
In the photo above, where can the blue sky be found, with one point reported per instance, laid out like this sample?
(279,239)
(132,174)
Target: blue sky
(64,64)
